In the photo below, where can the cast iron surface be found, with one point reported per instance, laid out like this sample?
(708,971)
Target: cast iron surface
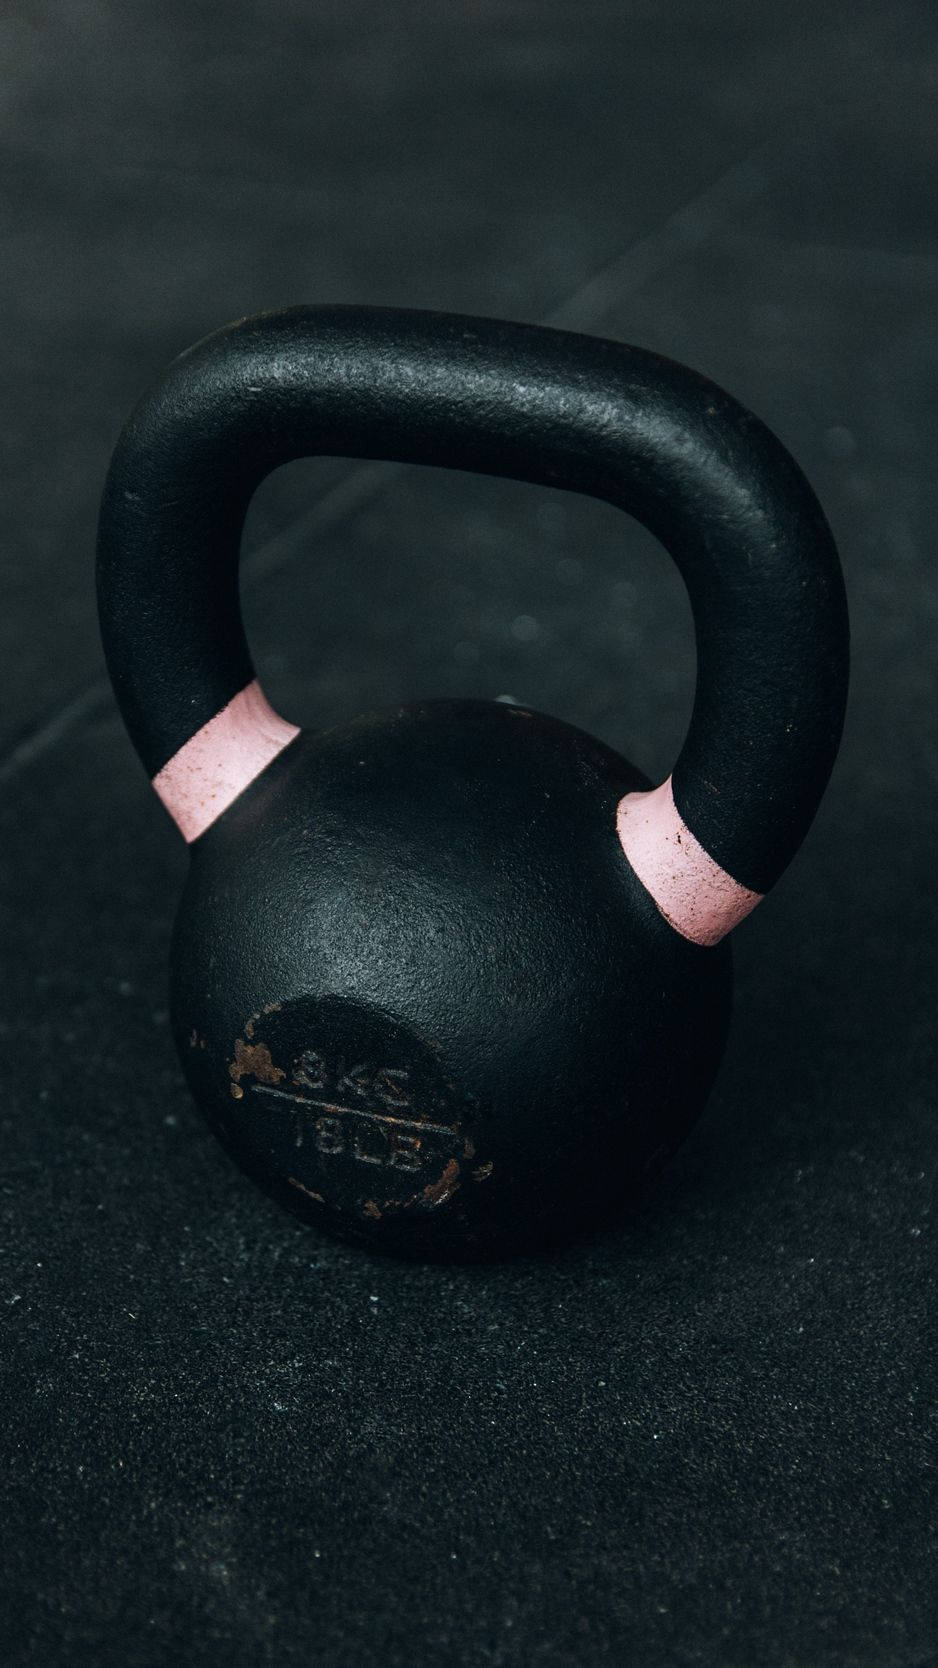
(551,407)
(448,881)
(708,1437)
(423,999)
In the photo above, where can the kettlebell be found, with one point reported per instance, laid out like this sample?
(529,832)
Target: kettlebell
(454,979)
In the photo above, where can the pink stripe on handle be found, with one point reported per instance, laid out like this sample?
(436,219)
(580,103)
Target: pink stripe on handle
(200,781)
(701,901)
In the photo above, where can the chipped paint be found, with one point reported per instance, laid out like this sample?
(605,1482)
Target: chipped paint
(253,1060)
(295,1182)
(268,1008)
(437,1193)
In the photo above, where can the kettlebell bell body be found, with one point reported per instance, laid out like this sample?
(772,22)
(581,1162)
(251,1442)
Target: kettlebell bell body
(455,979)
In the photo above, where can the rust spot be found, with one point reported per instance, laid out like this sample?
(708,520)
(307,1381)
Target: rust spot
(268,1008)
(253,1060)
(437,1193)
(369,1208)
(483,1172)
(307,1190)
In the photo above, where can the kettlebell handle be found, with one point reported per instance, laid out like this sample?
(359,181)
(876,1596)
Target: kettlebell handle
(545,406)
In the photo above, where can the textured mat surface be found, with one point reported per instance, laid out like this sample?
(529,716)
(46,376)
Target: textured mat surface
(710,1436)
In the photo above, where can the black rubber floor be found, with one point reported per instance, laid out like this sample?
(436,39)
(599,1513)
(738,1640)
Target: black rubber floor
(708,1438)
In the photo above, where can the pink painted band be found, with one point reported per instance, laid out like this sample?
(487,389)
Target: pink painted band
(200,781)
(701,901)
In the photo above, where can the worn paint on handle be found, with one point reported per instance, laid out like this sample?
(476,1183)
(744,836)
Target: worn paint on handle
(701,901)
(209,772)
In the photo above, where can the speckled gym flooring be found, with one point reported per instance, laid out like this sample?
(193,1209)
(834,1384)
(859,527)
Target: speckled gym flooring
(707,1439)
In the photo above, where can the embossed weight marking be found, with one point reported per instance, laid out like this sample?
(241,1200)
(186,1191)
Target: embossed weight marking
(454,979)
(405,1137)
(374,1140)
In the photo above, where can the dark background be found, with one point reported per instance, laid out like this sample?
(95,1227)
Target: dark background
(708,1438)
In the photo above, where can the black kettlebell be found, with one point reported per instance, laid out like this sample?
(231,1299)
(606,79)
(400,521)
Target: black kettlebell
(450,978)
